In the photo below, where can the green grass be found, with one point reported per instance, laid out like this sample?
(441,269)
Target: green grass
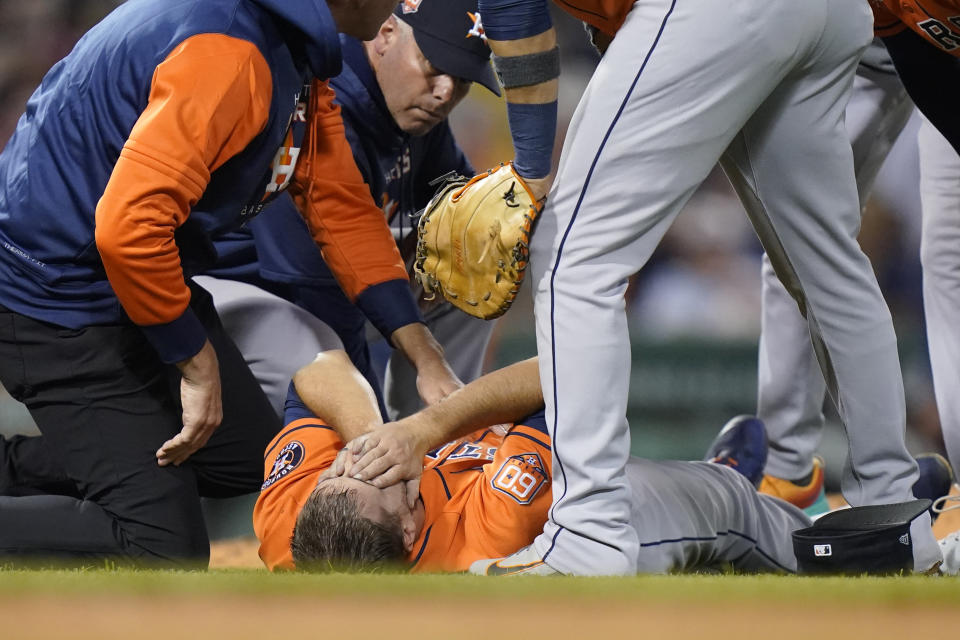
(759,589)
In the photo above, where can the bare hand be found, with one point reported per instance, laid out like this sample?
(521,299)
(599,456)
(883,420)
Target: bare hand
(387,455)
(340,466)
(539,187)
(202,403)
(435,383)
(435,379)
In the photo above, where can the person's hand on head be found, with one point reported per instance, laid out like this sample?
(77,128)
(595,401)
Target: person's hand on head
(202,403)
(388,455)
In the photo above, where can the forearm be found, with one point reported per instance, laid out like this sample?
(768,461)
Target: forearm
(526,59)
(505,395)
(333,389)
(541,92)
(418,345)
(531,108)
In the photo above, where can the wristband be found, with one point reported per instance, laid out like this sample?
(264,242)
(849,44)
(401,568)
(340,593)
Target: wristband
(528,69)
(533,127)
(514,19)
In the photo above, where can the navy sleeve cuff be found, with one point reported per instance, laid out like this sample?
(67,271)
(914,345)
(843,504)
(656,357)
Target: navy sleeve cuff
(389,306)
(514,19)
(536,420)
(177,340)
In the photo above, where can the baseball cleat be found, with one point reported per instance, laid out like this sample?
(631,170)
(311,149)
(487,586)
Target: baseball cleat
(526,562)
(936,478)
(742,446)
(809,496)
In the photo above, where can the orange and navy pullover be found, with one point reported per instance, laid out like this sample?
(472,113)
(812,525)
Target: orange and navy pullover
(170,122)
(275,251)
(484,496)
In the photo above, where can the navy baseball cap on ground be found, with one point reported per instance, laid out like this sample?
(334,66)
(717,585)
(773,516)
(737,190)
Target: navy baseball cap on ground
(450,35)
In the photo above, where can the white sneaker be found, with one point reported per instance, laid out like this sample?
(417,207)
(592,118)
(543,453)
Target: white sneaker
(950,547)
(526,562)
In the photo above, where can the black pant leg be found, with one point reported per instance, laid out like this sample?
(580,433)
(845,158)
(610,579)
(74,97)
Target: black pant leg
(100,398)
(28,468)
(231,463)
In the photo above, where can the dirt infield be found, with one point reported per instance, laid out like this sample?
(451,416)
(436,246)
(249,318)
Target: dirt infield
(245,617)
(256,605)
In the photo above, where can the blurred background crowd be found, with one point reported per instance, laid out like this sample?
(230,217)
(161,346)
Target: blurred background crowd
(694,310)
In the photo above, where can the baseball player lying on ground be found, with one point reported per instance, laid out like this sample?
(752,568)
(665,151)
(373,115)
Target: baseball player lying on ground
(485,494)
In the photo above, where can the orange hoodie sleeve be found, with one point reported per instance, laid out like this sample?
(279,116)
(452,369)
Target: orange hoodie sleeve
(349,227)
(208,100)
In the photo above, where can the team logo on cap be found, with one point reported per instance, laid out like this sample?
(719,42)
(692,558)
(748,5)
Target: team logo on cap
(411,6)
(288,459)
(475,31)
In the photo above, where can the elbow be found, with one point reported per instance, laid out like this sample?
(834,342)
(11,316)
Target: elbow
(109,245)
(301,379)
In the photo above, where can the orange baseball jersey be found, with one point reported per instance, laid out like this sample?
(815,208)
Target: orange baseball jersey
(484,496)
(292,465)
(938,21)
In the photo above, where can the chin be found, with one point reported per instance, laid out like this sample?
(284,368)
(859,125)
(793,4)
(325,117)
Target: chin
(417,127)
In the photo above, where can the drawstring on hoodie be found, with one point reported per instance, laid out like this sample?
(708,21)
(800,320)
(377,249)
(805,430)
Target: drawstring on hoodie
(312,109)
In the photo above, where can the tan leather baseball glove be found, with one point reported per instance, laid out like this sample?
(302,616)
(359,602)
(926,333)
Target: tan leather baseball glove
(473,241)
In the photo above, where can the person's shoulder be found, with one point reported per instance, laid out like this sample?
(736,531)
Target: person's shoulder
(536,421)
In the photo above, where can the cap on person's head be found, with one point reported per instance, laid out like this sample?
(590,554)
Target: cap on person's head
(450,35)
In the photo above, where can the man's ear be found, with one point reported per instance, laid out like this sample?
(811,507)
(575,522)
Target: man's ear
(386,35)
(410,533)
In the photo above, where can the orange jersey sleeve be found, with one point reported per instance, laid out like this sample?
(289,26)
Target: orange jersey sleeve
(208,100)
(885,22)
(292,465)
(488,509)
(605,15)
(936,21)
(336,203)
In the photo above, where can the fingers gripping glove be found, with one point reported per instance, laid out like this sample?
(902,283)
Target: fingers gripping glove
(473,241)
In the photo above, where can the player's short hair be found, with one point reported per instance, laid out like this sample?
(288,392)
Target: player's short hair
(330,535)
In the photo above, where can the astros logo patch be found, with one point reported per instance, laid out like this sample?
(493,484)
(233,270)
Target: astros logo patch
(288,459)
(476,30)
(521,477)
(411,6)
